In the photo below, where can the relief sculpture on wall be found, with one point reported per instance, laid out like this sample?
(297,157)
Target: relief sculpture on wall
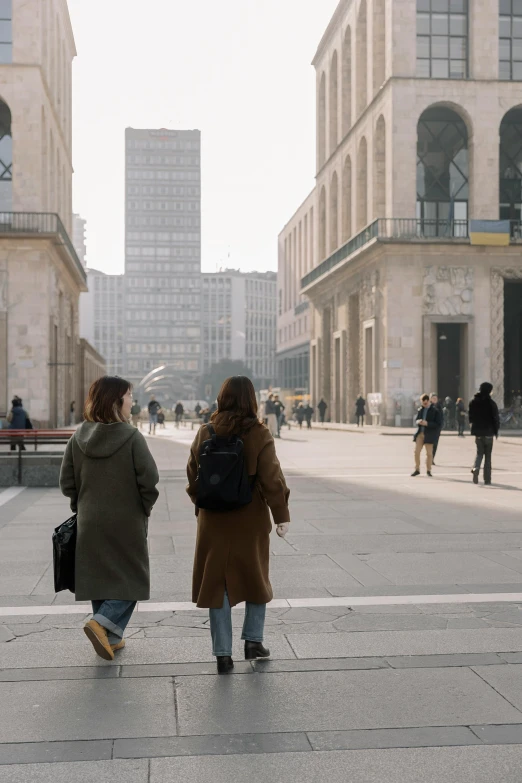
(448,290)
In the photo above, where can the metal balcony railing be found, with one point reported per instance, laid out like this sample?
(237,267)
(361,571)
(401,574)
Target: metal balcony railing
(403,230)
(43,224)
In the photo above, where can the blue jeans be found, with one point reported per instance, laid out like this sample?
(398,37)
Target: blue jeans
(114,616)
(221,626)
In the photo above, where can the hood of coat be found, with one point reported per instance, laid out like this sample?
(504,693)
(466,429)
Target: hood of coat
(100,441)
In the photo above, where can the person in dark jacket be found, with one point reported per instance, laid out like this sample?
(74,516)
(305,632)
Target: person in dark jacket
(429,422)
(110,477)
(360,410)
(485,424)
(461,416)
(300,415)
(434,399)
(309,412)
(322,409)
(18,420)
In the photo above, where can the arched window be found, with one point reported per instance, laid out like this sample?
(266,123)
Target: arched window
(347,81)
(334,102)
(510,40)
(321,130)
(379,43)
(6,159)
(362,60)
(347,199)
(379,170)
(322,225)
(442,39)
(362,185)
(334,213)
(442,172)
(510,166)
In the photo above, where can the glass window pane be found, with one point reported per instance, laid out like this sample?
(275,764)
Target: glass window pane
(439,46)
(504,49)
(505,7)
(439,6)
(457,69)
(439,24)
(6,9)
(458,6)
(6,33)
(423,46)
(424,5)
(461,210)
(517,71)
(504,27)
(517,7)
(458,48)
(6,53)
(504,70)
(440,69)
(517,49)
(423,69)
(517,27)
(458,24)
(423,24)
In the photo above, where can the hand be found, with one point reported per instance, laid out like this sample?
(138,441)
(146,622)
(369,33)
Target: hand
(422,422)
(282,529)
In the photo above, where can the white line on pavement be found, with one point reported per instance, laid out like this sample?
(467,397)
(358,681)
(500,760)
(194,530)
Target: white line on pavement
(10,493)
(285,603)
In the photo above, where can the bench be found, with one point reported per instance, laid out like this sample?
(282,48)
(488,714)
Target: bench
(21,438)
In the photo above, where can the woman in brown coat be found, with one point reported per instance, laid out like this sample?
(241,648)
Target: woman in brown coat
(232,548)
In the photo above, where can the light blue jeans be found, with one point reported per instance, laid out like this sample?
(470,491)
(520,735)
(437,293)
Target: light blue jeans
(114,616)
(221,626)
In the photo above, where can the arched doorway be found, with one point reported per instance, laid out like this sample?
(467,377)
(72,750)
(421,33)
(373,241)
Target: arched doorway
(442,173)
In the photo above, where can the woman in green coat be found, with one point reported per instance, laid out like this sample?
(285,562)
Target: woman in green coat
(110,477)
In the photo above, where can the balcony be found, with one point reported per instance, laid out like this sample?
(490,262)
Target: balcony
(402,230)
(45,225)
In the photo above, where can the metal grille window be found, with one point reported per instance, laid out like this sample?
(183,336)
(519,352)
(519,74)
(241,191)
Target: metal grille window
(510,40)
(6,31)
(442,39)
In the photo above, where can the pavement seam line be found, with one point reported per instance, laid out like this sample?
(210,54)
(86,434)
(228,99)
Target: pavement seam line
(473,669)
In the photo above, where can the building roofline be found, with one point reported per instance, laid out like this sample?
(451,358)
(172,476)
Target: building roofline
(332,26)
(301,205)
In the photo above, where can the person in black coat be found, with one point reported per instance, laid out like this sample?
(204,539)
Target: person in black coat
(485,424)
(429,423)
(435,402)
(360,410)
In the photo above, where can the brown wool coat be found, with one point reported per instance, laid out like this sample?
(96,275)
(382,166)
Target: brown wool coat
(232,548)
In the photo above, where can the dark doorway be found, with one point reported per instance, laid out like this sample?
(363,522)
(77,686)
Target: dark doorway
(512,340)
(449,364)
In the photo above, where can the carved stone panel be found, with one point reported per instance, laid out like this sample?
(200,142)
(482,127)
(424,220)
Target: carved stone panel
(448,290)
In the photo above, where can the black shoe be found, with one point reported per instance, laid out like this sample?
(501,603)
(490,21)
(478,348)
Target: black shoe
(225,664)
(255,650)
(487,483)
(416,473)
(428,473)
(475,476)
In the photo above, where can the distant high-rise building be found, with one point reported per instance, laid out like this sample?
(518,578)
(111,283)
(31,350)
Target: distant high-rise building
(163,261)
(239,320)
(79,239)
(101,317)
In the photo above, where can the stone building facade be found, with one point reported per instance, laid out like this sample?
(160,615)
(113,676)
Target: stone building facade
(101,317)
(40,274)
(419,123)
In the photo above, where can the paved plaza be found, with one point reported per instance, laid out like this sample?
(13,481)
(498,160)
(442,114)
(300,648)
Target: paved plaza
(396,633)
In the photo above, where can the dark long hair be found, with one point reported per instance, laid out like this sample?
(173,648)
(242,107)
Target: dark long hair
(105,400)
(237,406)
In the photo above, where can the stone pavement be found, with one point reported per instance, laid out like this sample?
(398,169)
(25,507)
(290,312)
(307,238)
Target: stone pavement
(396,633)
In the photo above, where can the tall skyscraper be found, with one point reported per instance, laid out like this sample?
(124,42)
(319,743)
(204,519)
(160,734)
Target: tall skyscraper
(163,262)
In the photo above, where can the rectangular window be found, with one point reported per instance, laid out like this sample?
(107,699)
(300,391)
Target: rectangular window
(6,32)
(442,39)
(510,40)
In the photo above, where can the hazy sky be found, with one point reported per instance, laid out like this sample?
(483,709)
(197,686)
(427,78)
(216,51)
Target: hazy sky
(239,70)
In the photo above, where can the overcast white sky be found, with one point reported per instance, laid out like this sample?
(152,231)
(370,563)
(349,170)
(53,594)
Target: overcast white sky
(239,70)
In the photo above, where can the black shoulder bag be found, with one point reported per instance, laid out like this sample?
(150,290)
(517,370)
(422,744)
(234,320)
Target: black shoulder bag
(64,552)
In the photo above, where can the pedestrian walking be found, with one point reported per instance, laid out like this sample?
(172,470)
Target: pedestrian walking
(429,421)
(110,477)
(135,414)
(485,424)
(161,419)
(308,412)
(360,410)
(179,410)
(18,420)
(461,416)
(154,408)
(322,409)
(197,410)
(232,549)
(271,416)
(434,399)
(300,415)
(279,412)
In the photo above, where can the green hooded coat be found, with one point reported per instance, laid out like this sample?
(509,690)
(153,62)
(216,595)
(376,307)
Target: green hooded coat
(110,476)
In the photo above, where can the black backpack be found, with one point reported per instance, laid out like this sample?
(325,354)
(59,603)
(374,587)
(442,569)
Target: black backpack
(222,482)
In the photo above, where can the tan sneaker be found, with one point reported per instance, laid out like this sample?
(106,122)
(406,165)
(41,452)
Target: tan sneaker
(119,646)
(97,635)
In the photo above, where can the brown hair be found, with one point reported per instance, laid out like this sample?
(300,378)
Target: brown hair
(237,406)
(425,397)
(105,400)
